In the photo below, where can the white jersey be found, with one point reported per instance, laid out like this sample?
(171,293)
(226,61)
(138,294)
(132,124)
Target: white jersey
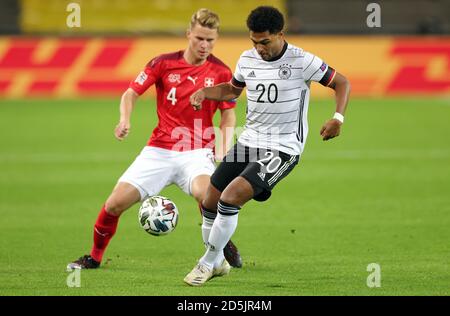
(278,97)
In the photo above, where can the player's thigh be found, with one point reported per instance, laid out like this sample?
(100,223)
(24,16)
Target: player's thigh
(265,174)
(233,164)
(151,171)
(193,170)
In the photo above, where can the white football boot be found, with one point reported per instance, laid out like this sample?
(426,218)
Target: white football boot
(201,274)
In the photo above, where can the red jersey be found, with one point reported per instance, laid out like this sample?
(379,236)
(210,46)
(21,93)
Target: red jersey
(180,127)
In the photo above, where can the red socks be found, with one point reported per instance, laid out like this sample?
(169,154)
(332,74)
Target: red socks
(104,228)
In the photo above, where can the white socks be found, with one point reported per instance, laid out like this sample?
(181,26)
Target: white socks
(219,234)
(208,220)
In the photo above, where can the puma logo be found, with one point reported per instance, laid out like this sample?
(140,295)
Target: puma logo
(103,235)
(192,79)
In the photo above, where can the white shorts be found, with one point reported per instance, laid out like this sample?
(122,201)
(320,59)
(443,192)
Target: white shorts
(155,168)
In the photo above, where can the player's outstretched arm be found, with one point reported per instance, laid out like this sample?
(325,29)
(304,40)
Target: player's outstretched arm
(222,92)
(341,86)
(126,107)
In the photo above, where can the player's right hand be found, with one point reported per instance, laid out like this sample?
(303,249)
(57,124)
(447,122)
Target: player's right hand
(122,130)
(197,98)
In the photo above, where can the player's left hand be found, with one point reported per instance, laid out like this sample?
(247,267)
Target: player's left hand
(330,129)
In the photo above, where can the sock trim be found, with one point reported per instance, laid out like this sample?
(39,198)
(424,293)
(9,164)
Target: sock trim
(227,209)
(225,204)
(209,214)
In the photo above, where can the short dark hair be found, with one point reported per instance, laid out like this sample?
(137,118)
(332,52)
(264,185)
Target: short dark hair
(265,18)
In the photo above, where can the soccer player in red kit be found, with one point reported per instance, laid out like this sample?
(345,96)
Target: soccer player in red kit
(181,148)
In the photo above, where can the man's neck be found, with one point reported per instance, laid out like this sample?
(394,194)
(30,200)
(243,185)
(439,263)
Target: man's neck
(190,59)
(281,52)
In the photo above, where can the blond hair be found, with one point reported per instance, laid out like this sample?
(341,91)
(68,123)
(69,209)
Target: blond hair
(205,18)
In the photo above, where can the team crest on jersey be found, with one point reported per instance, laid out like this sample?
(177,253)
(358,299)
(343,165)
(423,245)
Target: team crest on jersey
(141,78)
(174,78)
(285,71)
(209,82)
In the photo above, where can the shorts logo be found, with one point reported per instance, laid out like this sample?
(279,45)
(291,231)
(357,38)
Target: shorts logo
(141,78)
(285,71)
(209,82)
(323,67)
(174,78)
(261,175)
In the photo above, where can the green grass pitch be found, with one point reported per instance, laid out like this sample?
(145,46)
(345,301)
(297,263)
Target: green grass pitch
(379,193)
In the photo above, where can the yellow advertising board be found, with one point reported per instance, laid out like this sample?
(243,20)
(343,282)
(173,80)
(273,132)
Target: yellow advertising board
(134,17)
(376,66)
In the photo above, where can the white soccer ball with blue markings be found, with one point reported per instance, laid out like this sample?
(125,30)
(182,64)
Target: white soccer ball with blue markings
(158,215)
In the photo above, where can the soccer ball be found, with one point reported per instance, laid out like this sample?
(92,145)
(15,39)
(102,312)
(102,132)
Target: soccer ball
(158,215)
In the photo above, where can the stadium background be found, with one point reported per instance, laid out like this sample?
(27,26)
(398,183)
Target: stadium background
(378,194)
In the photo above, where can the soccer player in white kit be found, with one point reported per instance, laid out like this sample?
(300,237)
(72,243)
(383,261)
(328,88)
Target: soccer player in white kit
(277,76)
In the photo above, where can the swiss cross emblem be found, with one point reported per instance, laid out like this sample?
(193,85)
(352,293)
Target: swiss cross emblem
(209,82)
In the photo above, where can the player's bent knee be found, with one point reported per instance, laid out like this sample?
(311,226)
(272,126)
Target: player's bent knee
(117,204)
(122,198)
(199,186)
(238,192)
(115,207)
(199,197)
